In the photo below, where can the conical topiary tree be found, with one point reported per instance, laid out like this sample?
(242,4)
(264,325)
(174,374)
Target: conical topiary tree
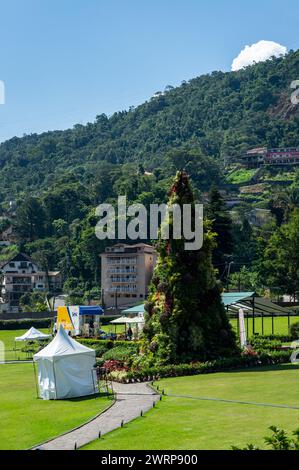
(185,319)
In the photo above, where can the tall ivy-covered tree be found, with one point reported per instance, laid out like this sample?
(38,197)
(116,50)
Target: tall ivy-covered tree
(185,318)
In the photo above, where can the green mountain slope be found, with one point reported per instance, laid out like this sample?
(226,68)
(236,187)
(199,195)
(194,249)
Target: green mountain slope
(215,115)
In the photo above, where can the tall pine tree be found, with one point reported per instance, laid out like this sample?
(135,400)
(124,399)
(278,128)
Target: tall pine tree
(222,226)
(185,318)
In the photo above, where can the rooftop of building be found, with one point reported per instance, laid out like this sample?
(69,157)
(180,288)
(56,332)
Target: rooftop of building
(120,248)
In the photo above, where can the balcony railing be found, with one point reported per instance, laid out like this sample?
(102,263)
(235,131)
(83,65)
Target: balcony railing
(118,261)
(122,270)
(122,290)
(123,279)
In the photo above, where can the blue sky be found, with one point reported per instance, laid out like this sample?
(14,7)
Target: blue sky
(65,61)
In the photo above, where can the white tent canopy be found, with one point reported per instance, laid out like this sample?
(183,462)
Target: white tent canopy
(136,320)
(32,335)
(66,369)
(127,320)
(120,320)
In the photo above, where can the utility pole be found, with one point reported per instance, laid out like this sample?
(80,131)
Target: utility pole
(228,274)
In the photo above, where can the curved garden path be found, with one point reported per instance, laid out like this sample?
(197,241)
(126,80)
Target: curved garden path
(131,399)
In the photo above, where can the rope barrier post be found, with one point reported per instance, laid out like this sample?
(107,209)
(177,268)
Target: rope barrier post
(247,322)
(253,317)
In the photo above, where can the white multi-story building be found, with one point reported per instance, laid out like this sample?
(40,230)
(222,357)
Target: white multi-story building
(21,275)
(126,273)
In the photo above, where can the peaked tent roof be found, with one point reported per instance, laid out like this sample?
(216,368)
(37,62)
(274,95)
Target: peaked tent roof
(31,335)
(62,345)
(136,309)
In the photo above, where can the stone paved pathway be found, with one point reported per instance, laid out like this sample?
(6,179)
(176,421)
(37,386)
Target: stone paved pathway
(130,400)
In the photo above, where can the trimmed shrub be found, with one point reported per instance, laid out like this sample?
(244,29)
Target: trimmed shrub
(108,343)
(294,330)
(100,350)
(120,353)
(25,324)
(282,338)
(260,344)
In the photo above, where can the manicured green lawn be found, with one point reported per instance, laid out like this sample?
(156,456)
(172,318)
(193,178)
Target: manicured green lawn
(8,339)
(27,421)
(241,175)
(185,423)
(280,325)
(112,329)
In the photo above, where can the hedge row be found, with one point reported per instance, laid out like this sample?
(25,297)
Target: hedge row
(107,342)
(25,324)
(102,346)
(106,319)
(155,373)
(282,338)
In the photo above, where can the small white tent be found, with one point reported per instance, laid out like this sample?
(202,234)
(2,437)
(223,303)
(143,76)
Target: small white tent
(66,369)
(32,335)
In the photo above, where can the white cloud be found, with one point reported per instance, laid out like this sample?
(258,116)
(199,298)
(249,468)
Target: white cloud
(258,52)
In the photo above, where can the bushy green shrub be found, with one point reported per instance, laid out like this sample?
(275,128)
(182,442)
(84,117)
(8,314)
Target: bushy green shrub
(279,440)
(294,330)
(261,344)
(100,350)
(104,347)
(90,342)
(274,337)
(121,353)
(25,324)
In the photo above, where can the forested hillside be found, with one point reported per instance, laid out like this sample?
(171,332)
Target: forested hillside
(58,178)
(216,115)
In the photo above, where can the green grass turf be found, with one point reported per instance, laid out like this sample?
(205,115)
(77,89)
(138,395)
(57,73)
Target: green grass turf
(111,328)
(7,337)
(240,176)
(280,325)
(27,421)
(184,423)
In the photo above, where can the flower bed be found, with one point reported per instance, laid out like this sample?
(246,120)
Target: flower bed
(105,348)
(243,361)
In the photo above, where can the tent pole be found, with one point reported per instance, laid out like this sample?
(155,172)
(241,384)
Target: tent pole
(272,323)
(253,317)
(288,322)
(55,381)
(35,380)
(262,324)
